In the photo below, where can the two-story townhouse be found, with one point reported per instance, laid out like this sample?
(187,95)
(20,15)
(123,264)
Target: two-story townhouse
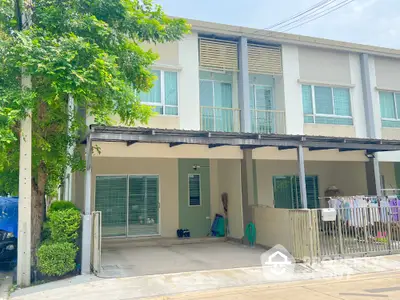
(269,118)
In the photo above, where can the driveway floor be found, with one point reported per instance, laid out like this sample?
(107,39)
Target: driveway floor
(127,260)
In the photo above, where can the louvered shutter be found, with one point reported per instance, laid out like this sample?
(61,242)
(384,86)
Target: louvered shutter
(265,60)
(218,55)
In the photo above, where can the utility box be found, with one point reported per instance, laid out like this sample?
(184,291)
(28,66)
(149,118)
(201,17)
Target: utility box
(328,214)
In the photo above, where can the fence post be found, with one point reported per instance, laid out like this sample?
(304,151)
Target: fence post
(365,228)
(341,247)
(310,229)
(389,232)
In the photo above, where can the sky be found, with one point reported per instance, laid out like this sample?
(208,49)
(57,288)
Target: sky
(372,22)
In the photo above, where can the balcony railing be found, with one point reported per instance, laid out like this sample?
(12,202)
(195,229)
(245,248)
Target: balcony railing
(268,121)
(220,119)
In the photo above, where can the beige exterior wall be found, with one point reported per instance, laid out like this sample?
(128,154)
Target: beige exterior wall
(330,130)
(323,155)
(390,133)
(387,71)
(225,177)
(168,53)
(324,66)
(349,177)
(273,227)
(167,169)
(141,150)
(229,181)
(389,175)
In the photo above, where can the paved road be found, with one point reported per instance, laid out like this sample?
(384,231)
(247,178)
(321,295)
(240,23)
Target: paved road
(360,287)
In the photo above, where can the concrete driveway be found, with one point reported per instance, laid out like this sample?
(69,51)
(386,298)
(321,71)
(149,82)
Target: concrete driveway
(127,260)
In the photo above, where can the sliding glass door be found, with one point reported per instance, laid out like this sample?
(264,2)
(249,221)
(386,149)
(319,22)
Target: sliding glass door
(129,205)
(143,205)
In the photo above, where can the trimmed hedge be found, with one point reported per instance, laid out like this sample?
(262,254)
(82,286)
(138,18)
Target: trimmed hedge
(64,225)
(61,205)
(56,259)
(56,256)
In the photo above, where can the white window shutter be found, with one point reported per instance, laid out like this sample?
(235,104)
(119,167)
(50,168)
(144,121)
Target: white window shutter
(218,55)
(265,60)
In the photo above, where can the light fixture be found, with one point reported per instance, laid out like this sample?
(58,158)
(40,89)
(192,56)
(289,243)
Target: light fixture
(370,155)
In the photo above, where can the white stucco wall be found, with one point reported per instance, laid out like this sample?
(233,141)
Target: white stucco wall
(292,90)
(357,97)
(189,94)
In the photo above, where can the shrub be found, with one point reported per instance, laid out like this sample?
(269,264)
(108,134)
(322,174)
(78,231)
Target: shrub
(64,225)
(56,259)
(46,232)
(61,205)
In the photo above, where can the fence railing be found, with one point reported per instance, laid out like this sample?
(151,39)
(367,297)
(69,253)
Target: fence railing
(220,119)
(268,121)
(345,232)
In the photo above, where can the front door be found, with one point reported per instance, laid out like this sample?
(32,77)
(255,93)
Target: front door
(194,196)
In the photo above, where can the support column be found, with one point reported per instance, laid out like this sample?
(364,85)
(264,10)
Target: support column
(302,176)
(24,205)
(373,173)
(244,86)
(87,220)
(24,254)
(367,96)
(374,184)
(248,180)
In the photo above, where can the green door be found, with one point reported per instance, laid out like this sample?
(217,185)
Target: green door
(194,196)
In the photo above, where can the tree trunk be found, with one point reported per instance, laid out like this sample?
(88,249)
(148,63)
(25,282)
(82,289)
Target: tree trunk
(38,198)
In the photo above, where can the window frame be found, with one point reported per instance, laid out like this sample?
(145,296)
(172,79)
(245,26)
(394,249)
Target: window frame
(200,201)
(314,115)
(397,117)
(162,93)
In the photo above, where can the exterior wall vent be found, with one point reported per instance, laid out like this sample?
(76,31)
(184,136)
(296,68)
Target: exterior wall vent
(218,55)
(265,60)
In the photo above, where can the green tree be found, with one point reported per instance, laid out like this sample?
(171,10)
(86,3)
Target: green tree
(86,49)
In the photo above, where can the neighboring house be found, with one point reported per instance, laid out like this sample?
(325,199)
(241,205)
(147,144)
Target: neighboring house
(246,111)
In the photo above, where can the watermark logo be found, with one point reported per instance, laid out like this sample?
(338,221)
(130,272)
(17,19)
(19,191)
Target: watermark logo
(277,264)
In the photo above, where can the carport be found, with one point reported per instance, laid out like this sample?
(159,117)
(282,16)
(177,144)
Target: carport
(162,256)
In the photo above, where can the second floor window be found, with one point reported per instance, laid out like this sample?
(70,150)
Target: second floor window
(326,105)
(164,94)
(390,109)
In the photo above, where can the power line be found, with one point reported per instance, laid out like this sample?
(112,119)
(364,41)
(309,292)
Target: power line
(312,13)
(310,9)
(321,14)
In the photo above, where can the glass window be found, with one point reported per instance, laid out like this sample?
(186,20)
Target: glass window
(323,100)
(165,102)
(216,100)
(326,105)
(194,190)
(390,109)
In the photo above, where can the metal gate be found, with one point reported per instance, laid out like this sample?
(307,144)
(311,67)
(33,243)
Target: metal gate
(349,232)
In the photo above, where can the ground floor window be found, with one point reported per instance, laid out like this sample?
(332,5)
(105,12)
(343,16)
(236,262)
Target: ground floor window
(129,204)
(287,192)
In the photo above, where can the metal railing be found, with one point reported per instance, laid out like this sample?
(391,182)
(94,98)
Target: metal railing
(268,121)
(345,232)
(220,119)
